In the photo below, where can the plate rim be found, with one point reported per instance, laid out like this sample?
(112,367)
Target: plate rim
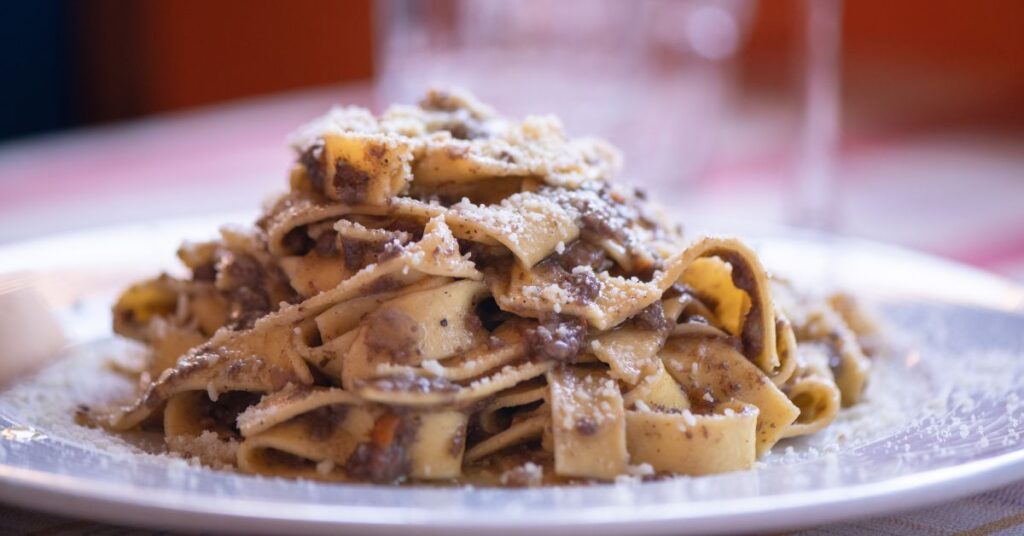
(102,501)
(80,497)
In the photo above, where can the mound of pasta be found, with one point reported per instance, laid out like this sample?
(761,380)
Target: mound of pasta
(444,294)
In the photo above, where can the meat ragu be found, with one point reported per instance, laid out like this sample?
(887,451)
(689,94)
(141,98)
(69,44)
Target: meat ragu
(447,295)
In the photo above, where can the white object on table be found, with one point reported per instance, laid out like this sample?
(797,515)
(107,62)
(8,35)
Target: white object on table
(29,333)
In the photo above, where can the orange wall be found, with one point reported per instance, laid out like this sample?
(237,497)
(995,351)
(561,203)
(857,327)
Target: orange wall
(942,56)
(157,55)
(945,56)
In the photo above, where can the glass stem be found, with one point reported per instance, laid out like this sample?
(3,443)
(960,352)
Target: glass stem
(816,202)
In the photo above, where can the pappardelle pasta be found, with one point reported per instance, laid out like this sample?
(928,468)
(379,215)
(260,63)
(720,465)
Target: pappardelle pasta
(447,295)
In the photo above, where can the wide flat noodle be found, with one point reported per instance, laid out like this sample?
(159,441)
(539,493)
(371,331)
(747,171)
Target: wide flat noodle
(532,295)
(169,342)
(364,168)
(689,444)
(818,400)
(537,147)
(757,327)
(712,367)
(817,322)
(287,422)
(529,224)
(437,450)
(259,360)
(658,390)
(313,274)
(516,434)
(519,396)
(786,349)
(505,347)
(309,446)
(422,392)
(588,423)
(346,315)
(402,330)
(631,353)
(280,406)
(190,430)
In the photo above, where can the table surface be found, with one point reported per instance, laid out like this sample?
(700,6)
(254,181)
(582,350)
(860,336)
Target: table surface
(954,192)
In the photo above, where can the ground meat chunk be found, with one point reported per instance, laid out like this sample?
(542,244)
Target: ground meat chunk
(605,214)
(465,130)
(248,304)
(557,337)
(322,421)
(251,299)
(241,276)
(412,228)
(224,412)
(327,244)
(652,318)
(586,427)
(584,287)
(582,253)
(204,272)
(312,160)
(743,278)
(351,184)
(240,269)
(484,256)
(385,458)
(600,216)
(393,334)
(297,241)
(376,464)
(600,223)
(360,253)
(384,284)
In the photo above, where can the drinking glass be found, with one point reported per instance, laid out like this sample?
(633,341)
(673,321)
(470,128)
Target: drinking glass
(651,76)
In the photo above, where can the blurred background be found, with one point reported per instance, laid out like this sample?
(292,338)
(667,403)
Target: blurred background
(895,121)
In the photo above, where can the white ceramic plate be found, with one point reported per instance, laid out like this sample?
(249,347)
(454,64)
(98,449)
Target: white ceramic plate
(944,416)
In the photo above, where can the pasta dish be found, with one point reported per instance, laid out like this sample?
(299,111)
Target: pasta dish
(447,295)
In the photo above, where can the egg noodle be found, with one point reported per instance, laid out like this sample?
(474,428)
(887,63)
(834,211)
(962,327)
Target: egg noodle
(448,295)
